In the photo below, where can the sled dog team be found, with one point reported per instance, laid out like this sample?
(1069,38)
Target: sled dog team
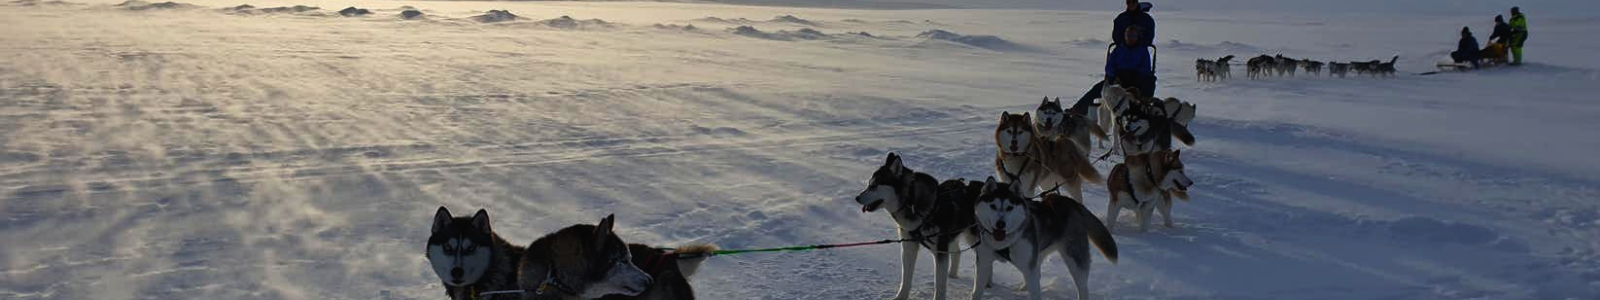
(1262,66)
(998,218)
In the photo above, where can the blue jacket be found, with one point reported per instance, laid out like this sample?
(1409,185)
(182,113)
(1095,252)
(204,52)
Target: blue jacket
(1147,35)
(1129,58)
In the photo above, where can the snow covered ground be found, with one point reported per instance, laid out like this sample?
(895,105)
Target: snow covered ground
(193,152)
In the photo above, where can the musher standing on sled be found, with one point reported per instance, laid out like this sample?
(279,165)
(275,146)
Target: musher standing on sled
(1519,34)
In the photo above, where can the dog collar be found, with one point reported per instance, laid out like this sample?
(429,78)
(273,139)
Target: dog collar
(551,282)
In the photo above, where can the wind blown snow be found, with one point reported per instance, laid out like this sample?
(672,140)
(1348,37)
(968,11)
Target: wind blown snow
(208,150)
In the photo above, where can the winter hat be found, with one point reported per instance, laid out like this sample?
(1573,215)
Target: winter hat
(1516,10)
(1499,19)
(1465,31)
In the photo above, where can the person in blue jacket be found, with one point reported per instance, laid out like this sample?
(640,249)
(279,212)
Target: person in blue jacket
(1127,66)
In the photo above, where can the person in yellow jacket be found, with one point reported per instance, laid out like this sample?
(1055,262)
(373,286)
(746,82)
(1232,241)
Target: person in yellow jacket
(1519,34)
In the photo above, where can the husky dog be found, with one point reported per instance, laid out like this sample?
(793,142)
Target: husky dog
(1365,67)
(1145,182)
(1115,101)
(590,262)
(1150,125)
(1013,229)
(1260,66)
(1029,161)
(1386,69)
(1286,65)
(925,210)
(1051,121)
(1311,66)
(1205,69)
(1338,68)
(470,258)
(1222,68)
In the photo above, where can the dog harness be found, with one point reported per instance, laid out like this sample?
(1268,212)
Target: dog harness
(550,281)
(1129,179)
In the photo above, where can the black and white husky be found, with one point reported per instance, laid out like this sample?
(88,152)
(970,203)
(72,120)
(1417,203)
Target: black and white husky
(470,258)
(590,262)
(933,213)
(1013,229)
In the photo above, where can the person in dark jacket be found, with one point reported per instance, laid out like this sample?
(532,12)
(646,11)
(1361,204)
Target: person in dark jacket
(1496,47)
(1502,31)
(1134,15)
(1467,49)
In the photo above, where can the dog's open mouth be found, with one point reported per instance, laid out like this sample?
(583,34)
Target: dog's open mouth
(999,234)
(870,207)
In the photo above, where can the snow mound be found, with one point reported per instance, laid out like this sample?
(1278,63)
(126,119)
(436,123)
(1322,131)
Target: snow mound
(981,41)
(41,3)
(251,9)
(794,20)
(141,5)
(353,11)
(566,22)
(410,14)
(1087,43)
(495,16)
(781,35)
(1225,46)
(689,27)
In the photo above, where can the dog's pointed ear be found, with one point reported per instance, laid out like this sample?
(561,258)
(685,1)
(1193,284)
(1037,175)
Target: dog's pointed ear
(605,226)
(441,219)
(895,164)
(989,185)
(481,220)
(1026,116)
(1004,115)
(1058,100)
(890,160)
(1046,101)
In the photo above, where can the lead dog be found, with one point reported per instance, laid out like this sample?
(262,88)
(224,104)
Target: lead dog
(936,214)
(1024,232)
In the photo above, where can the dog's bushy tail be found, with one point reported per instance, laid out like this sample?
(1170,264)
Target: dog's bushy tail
(1182,133)
(1098,234)
(1394,59)
(688,266)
